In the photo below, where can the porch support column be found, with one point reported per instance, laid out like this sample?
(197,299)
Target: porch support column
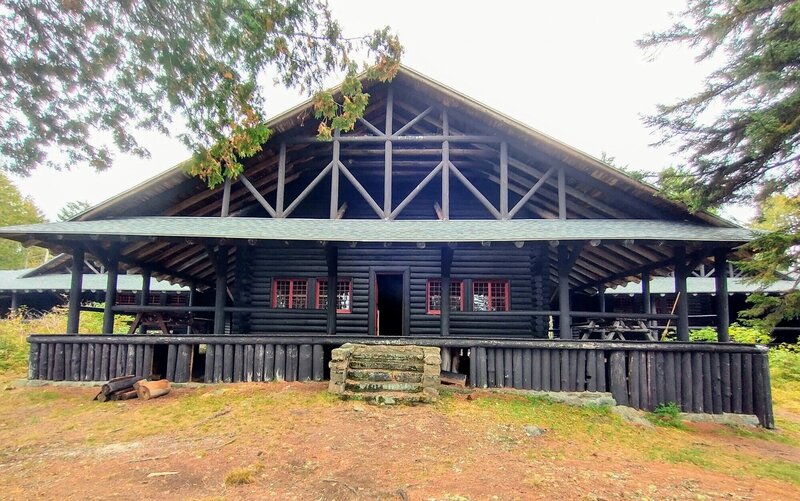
(444,307)
(190,302)
(220,289)
(14,302)
(75,289)
(332,259)
(721,283)
(681,271)
(144,299)
(564,323)
(601,298)
(112,272)
(647,304)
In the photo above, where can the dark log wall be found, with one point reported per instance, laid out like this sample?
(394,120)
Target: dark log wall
(257,267)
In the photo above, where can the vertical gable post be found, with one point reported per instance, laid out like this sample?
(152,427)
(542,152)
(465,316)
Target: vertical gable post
(335,178)
(445,167)
(387,167)
(504,180)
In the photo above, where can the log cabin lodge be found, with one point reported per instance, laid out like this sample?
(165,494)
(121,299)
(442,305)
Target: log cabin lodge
(437,221)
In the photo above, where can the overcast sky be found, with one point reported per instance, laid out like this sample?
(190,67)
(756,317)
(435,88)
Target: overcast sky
(569,69)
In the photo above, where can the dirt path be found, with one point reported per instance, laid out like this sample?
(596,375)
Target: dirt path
(293,441)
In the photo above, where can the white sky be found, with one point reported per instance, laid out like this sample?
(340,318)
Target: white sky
(569,69)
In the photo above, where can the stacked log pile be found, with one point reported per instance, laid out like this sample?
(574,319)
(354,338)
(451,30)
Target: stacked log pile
(129,387)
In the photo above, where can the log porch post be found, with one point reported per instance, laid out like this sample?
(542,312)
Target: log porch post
(444,307)
(681,272)
(721,287)
(220,289)
(564,323)
(14,302)
(112,272)
(332,260)
(144,299)
(601,298)
(75,289)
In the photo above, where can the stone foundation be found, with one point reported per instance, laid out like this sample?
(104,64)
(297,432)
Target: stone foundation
(386,374)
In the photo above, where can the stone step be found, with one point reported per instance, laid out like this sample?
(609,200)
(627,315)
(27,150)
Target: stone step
(388,397)
(382,364)
(380,375)
(388,356)
(381,386)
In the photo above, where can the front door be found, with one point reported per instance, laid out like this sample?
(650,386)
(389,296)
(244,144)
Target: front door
(389,304)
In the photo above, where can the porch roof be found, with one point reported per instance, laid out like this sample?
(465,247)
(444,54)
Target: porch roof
(359,230)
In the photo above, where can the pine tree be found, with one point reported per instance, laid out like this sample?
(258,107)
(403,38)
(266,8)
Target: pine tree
(16,209)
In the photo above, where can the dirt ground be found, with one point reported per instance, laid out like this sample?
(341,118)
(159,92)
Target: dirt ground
(295,441)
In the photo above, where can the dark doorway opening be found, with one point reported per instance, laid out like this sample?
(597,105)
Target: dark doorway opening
(159,368)
(389,307)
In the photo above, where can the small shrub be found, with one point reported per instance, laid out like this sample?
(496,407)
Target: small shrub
(738,334)
(240,476)
(784,364)
(668,415)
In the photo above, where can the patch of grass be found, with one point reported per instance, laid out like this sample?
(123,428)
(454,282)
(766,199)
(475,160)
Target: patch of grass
(667,415)
(697,456)
(242,476)
(781,470)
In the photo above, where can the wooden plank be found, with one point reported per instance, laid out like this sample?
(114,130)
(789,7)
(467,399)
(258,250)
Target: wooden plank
(318,363)
(269,362)
(258,362)
(716,384)
(697,383)
(473,367)
(517,374)
(619,387)
(75,362)
(280,362)
(292,356)
(708,399)
(670,393)
(147,361)
(491,372)
(482,367)
(249,363)
(601,371)
(172,360)
(33,361)
(591,370)
(526,369)
(304,363)
(183,363)
(686,381)
(763,391)
(555,370)
(105,363)
(51,361)
(85,374)
(139,360)
(633,380)
(747,383)
(652,378)
(572,375)
(736,382)
(580,375)
(499,367)
(41,370)
(660,375)
(238,363)
(725,361)
(130,359)
(98,362)
(67,362)
(219,362)
(536,369)
(227,364)
(208,374)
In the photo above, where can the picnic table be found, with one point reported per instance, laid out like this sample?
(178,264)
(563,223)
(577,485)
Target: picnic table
(623,329)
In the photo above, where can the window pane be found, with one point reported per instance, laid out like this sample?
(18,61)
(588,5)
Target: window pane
(322,297)
(498,296)
(343,295)
(434,295)
(299,294)
(456,288)
(480,296)
(281,294)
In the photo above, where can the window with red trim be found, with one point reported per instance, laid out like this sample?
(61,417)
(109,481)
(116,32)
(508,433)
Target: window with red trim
(290,293)
(344,295)
(155,298)
(490,295)
(126,298)
(177,300)
(434,296)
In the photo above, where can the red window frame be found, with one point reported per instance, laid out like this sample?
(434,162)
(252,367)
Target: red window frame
(428,308)
(290,303)
(125,298)
(489,287)
(341,281)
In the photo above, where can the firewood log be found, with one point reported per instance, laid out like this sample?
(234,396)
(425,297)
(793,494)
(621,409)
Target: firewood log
(125,395)
(119,384)
(152,389)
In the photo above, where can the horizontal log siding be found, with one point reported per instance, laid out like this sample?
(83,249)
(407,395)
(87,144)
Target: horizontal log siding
(699,377)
